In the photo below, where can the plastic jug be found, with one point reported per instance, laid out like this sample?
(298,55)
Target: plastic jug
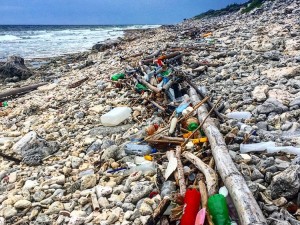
(115,116)
(257,147)
(239,115)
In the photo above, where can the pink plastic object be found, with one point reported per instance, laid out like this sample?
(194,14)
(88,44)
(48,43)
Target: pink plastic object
(200,219)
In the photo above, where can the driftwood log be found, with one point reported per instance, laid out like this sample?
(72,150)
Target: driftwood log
(19,91)
(210,175)
(203,96)
(245,204)
(169,56)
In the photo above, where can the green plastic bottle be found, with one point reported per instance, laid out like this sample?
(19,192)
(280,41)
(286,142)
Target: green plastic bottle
(118,76)
(140,87)
(3,104)
(218,209)
(166,73)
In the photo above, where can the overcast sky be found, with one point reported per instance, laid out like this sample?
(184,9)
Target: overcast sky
(104,11)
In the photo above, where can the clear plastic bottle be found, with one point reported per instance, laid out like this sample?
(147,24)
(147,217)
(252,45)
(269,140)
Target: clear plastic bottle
(148,167)
(115,116)
(135,149)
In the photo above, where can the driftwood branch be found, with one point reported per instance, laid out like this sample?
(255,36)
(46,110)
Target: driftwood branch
(153,55)
(181,179)
(204,198)
(159,211)
(78,83)
(247,207)
(210,175)
(19,91)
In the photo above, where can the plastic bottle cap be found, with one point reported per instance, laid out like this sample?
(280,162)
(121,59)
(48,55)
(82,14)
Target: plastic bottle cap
(223,191)
(148,157)
(192,126)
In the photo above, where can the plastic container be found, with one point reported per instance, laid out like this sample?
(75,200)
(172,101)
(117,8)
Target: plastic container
(287,149)
(115,116)
(239,115)
(134,149)
(257,147)
(118,76)
(3,104)
(218,209)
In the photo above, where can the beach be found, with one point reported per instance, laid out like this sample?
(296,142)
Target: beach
(248,61)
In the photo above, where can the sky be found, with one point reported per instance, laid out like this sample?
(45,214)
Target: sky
(101,12)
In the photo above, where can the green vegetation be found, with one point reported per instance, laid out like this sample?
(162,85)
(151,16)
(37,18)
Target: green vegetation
(248,6)
(254,4)
(213,13)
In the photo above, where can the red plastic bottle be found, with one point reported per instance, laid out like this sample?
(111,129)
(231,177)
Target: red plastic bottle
(192,203)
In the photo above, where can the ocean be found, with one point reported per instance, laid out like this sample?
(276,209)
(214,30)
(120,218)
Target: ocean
(43,41)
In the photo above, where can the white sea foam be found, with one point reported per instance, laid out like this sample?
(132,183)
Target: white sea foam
(36,42)
(7,37)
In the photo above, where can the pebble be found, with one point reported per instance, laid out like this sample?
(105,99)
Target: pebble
(22,204)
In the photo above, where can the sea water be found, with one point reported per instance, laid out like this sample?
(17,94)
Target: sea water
(43,41)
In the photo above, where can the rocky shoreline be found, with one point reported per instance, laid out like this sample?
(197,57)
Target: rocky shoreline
(250,61)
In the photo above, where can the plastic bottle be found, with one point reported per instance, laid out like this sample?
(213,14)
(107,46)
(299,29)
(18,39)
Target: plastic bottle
(218,209)
(115,116)
(3,104)
(257,147)
(192,200)
(244,127)
(239,115)
(145,168)
(134,149)
(173,125)
(182,107)
(118,76)
(287,149)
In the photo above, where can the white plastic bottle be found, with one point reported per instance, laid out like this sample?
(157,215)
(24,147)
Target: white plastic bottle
(287,149)
(239,115)
(257,147)
(115,116)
